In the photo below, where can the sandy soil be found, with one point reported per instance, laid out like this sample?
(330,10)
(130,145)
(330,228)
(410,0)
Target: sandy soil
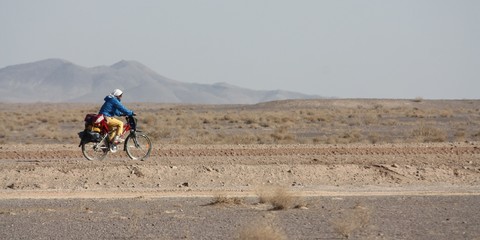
(359,191)
(59,170)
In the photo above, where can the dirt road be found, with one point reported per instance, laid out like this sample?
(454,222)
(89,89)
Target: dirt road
(243,168)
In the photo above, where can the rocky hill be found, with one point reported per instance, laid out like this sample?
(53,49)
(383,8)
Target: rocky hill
(57,80)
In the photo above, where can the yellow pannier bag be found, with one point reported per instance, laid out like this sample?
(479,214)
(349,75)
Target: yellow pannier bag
(91,127)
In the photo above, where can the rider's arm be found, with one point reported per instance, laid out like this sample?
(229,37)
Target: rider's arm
(121,110)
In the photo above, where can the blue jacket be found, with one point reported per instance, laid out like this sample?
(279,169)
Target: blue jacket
(113,107)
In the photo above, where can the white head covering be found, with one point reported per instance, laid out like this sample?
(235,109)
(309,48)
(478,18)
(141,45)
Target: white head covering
(117,92)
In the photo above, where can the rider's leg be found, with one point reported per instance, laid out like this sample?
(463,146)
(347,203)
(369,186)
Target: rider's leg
(115,123)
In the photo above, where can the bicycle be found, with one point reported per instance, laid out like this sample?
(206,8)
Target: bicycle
(96,144)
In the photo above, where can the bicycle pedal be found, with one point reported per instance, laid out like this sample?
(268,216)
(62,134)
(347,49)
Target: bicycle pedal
(113,148)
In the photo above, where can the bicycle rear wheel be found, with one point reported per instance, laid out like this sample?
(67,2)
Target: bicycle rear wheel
(94,150)
(138,146)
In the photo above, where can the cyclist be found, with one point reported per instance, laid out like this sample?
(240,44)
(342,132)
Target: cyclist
(111,108)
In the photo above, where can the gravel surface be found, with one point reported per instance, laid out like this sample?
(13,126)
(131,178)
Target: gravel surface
(366,217)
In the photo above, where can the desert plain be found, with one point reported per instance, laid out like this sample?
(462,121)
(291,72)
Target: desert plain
(294,169)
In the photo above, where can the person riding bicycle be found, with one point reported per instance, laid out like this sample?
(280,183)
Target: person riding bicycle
(111,108)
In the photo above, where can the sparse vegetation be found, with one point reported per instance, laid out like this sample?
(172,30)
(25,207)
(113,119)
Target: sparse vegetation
(235,169)
(282,122)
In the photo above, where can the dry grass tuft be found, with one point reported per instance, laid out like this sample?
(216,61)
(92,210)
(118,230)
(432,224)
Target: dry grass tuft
(429,134)
(278,197)
(356,218)
(221,199)
(261,230)
(136,171)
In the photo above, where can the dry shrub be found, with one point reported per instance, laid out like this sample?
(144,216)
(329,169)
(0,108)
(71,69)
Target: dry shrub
(352,136)
(44,131)
(221,199)
(261,230)
(250,120)
(446,113)
(3,131)
(460,135)
(416,114)
(264,139)
(476,136)
(370,119)
(429,134)
(318,140)
(137,172)
(282,135)
(245,138)
(373,138)
(231,118)
(149,120)
(417,99)
(278,197)
(160,132)
(356,218)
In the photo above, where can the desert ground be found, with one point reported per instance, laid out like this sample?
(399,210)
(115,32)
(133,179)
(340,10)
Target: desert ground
(297,169)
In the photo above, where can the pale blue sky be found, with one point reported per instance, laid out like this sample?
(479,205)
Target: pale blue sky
(332,48)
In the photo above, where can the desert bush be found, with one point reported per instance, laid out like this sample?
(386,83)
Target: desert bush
(261,231)
(391,122)
(3,132)
(351,136)
(149,119)
(243,138)
(231,118)
(351,220)
(160,132)
(192,121)
(445,113)
(370,119)
(282,134)
(45,131)
(415,113)
(417,99)
(221,199)
(429,134)
(319,140)
(476,135)
(373,138)
(264,139)
(460,135)
(250,120)
(278,197)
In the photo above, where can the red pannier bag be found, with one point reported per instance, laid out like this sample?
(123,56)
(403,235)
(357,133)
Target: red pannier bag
(93,122)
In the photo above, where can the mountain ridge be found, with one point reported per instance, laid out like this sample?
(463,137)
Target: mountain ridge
(59,80)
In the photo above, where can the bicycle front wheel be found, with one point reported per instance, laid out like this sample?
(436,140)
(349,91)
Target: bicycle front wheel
(138,146)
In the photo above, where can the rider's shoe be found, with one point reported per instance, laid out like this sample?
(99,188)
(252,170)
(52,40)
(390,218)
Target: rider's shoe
(118,140)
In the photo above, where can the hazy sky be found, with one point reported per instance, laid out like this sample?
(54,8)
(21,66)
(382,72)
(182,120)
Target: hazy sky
(332,48)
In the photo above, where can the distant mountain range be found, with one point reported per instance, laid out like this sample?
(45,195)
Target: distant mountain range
(57,80)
